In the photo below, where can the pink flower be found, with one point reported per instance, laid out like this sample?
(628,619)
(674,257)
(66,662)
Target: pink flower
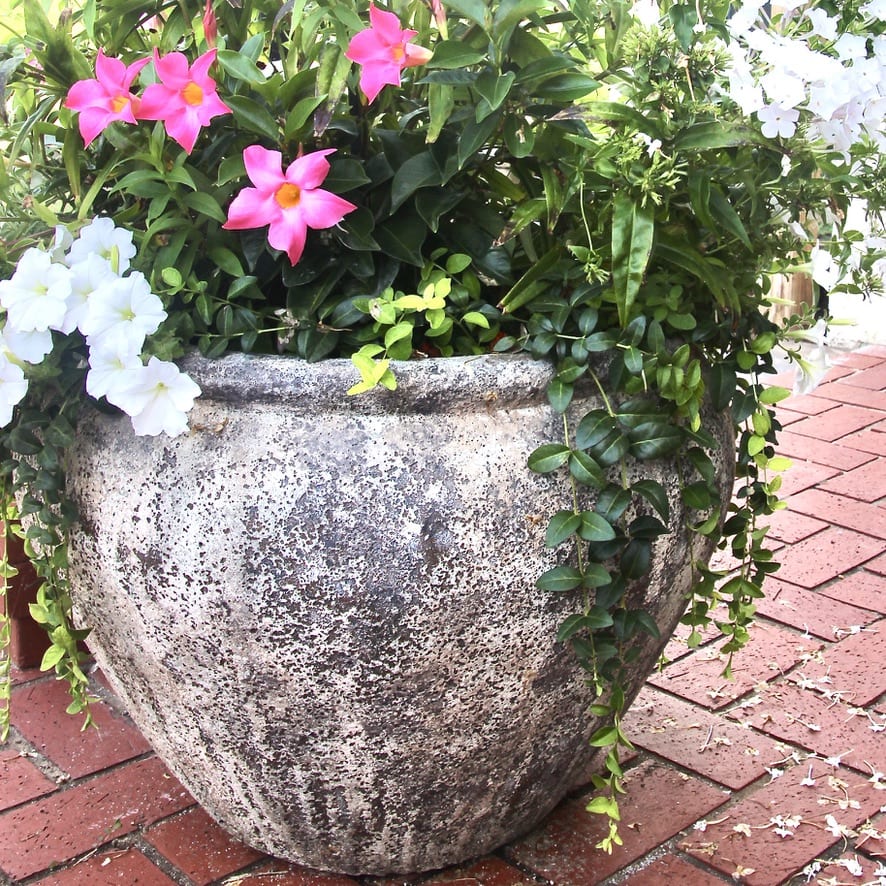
(185,98)
(290,202)
(384,51)
(107,98)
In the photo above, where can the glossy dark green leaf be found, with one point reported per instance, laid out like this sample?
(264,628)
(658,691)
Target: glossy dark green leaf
(594,428)
(655,494)
(593,527)
(635,559)
(585,470)
(548,457)
(656,439)
(612,502)
(561,526)
(559,579)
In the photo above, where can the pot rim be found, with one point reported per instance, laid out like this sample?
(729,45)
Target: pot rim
(423,385)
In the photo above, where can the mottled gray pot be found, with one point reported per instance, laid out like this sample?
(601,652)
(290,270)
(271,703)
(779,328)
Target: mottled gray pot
(320,609)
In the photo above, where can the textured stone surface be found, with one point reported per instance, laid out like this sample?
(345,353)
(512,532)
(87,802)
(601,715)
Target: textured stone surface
(321,609)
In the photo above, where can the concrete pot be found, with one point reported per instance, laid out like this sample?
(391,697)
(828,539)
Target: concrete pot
(320,609)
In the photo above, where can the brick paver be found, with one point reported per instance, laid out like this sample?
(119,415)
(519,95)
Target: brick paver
(772,778)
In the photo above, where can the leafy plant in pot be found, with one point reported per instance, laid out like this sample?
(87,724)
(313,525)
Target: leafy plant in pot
(567,212)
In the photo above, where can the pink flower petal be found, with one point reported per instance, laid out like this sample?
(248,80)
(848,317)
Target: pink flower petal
(110,72)
(183,126)
(200,70)
(375,76)
(172,69)
(251,208)
(416,55)
(310,170)
(386,25)
(323,209)
(264,167)
(288,233)
(367,47)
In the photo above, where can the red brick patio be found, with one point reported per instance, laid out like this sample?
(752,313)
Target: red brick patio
(778,776)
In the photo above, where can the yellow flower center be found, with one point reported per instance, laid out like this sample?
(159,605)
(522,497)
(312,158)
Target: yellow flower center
(397,52)
(193,94)
(288,195)
(119,102)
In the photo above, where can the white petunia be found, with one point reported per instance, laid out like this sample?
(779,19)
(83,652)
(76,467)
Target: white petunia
(35,297)
(875,9)
(13,387)
(123,316)
(87,278)
(112,374)
(29,347)
(61,243)
(778,121)
(102,237)
(160,400)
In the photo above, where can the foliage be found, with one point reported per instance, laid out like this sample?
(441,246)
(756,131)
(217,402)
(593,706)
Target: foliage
(568,179)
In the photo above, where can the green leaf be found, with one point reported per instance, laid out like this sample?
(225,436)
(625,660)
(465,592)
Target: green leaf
(493,90)
(205,205)
(474,136)
(475,10)
(612,502)
(715,135)
(698,495)
(240,67)
(774,395)
(655,439)
(633,229)
(636,558)
(561,526)
(454,54)
(594,527)
(655,494)
(559,394)
(548,457)
(252,116)
(585,470)
(594,428)
(420,171)
(721,385)
(559,579)
(725,213)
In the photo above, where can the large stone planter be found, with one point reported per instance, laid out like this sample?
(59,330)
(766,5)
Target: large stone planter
(321,611)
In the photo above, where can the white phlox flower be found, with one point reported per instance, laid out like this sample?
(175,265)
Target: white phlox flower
(125,314)
(825,270)
(875,9)
(35,297)
(745,17)
(784,89)
(160,399)
(822,24)
(778,120)
(87,278)
(13,387)
(102,237)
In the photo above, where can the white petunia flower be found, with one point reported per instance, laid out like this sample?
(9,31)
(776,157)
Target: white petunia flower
(102,237)
(123,316)
(13,387)
(28,347)
(35,297)
(161,399)
(112,374)
(778,120)
(646,12)
(61,243)
(87,278)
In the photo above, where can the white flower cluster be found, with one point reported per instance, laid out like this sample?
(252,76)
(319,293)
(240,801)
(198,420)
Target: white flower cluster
(83,284)
(830,74)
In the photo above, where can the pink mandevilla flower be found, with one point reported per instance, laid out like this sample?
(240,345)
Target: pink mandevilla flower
(185,99)
(384,51)
(107,98)
(289,202)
